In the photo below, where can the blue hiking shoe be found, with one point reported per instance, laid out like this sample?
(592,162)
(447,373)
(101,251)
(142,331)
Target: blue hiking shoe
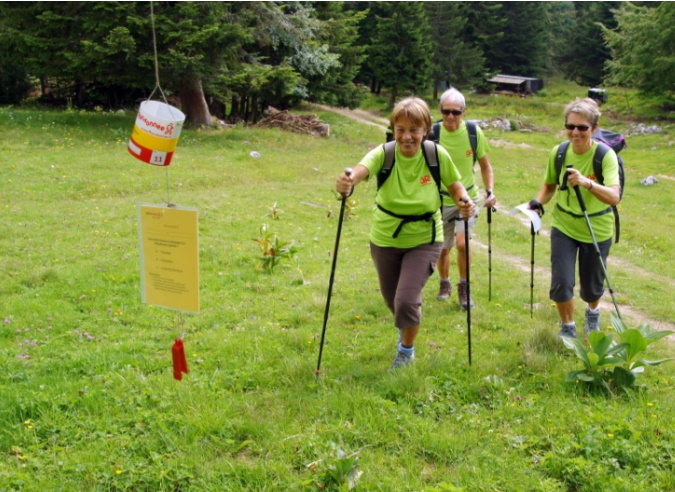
(568,330)
(402,360)
(592,321)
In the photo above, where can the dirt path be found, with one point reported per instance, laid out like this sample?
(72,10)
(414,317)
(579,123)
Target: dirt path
(357,115)
(543,274)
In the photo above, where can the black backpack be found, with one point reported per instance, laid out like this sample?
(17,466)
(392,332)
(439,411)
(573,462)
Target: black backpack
(430,152)
(606,139)
(435,134)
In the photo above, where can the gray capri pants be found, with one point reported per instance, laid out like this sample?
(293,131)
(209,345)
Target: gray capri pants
(453,223)
(563,258)
(403,274)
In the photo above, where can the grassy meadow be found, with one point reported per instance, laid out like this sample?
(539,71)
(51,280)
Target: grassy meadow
(87,396)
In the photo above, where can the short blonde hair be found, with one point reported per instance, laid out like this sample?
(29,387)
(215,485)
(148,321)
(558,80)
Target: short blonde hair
(587,108)
(415,109)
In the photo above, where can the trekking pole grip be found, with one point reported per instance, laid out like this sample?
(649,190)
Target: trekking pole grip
(564,186)
(348,172)
(582,203)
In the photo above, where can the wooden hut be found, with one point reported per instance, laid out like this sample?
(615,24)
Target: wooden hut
(516,84)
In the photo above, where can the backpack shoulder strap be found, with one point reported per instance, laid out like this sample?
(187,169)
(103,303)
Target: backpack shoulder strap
(473,137)
(600,153)
(389,160)
(430,151)
(560,157)
(435,133)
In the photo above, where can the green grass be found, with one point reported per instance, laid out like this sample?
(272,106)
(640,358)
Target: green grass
(88,399)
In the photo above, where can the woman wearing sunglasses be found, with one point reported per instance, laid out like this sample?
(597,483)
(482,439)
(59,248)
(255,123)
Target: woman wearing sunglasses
(571,238)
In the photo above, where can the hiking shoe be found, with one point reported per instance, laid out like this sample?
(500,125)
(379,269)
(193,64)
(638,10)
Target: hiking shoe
(569,331)
(463,299)
(592,321)
(402,360)
(445,290)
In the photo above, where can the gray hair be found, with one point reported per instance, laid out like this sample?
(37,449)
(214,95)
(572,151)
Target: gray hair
(587,108)
(452,96)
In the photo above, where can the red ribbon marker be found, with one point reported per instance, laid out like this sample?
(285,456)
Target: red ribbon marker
(179,360)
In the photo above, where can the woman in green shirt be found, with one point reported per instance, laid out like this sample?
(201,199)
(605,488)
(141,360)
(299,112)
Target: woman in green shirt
(406,215)
(570,235)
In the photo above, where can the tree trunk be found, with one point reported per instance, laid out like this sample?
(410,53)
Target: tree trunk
(254,110)
(217,108)
(193,103)
(234,110)
(393,96)
(80,94)
(246,109)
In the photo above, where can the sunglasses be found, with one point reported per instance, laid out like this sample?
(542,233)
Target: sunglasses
(581,128)
(455,112)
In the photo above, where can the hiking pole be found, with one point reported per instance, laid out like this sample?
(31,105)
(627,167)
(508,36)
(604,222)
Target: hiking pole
(532,233)
(489,221)
(468,280)
(597,247)
(348,172)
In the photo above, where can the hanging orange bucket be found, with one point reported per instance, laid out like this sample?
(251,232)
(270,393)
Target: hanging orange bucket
(155,134)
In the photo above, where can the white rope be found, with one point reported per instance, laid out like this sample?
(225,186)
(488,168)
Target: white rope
(158,86)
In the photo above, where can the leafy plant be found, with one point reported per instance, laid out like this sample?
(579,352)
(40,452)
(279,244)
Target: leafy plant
(613,364)
(273,249)
(636,341)
(597,359)
(273,212)
(351,206)
(341,473)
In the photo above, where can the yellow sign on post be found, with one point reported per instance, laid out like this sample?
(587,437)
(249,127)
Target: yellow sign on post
(169,242)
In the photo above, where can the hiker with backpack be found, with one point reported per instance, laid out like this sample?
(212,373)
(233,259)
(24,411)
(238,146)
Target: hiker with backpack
(466,144)
(406,233)
(573,171)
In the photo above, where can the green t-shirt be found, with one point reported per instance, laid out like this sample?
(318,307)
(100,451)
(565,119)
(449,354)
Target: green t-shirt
(410,189)
(459,147)
(576,227)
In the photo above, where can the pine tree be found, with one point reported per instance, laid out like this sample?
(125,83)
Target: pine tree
(523,48)
(400,53)
(585,52)
(485,28)
(455,62)
(643,49)
(340,32)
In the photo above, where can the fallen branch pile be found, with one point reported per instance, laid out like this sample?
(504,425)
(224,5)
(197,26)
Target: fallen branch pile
(300,123)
